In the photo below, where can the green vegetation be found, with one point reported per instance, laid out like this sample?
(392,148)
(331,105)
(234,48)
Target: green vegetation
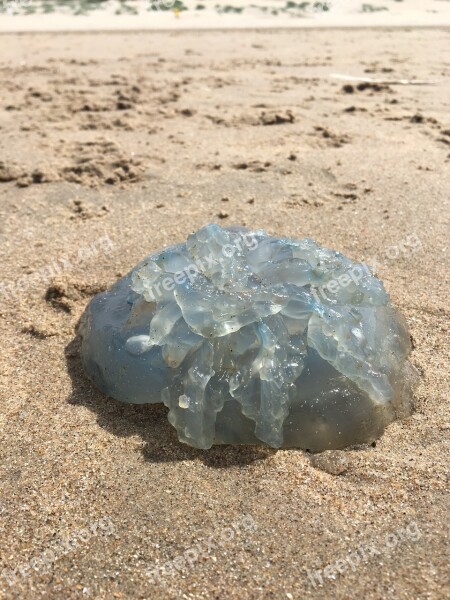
(228,9)
(308,6)
(300,6)
(167,5)
(83,7)
(369,8)
(78,7)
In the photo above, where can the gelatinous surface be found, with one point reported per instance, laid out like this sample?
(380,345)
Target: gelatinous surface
(248,338)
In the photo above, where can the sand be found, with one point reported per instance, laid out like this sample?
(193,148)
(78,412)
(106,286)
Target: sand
(114,145)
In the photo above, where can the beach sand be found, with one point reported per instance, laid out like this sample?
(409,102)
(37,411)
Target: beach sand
(114,145)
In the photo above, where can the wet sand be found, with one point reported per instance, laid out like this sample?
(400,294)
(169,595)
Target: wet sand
(115,145)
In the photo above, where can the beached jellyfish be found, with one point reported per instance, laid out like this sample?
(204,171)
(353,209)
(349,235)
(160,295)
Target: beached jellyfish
(249,339)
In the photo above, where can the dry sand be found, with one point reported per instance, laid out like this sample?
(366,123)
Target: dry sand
(144,138)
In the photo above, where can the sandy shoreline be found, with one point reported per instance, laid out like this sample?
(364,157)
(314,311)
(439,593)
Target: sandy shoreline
(116,145)
(135,24)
